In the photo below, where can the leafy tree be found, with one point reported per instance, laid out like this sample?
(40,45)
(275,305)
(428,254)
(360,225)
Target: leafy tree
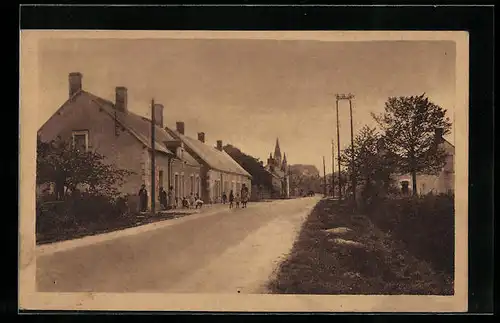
(64,166)
(252,165)
(409,125)
(372,165)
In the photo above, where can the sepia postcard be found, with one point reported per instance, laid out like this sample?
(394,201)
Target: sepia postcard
(265,171)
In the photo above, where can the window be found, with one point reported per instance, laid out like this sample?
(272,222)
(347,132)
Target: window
(81,140)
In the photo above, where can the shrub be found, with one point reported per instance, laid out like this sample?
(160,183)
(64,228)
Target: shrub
(425,224)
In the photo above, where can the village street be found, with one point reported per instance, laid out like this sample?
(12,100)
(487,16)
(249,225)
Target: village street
(223,251)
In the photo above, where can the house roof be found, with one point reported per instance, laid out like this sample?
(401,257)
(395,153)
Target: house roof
(138,126)
(215,158)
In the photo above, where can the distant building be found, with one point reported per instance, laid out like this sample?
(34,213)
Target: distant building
(278,168)
(219,172)
(124,138)
(444,181)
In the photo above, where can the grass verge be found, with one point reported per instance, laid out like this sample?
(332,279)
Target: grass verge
(74,230)
(323,262)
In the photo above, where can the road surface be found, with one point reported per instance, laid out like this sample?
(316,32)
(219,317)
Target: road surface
(226,251)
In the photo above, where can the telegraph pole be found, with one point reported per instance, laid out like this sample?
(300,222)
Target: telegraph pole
(349,98)
(153,153)
(324,176)
(338,146)
(353,170)
(333,168)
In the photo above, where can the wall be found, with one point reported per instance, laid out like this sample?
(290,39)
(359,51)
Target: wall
(186,172)
(218,182)
(123,150)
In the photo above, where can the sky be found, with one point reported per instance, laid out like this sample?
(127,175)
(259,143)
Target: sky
(249,92)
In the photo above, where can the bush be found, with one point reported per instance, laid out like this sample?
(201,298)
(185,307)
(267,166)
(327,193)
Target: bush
(78,213)
(425,224)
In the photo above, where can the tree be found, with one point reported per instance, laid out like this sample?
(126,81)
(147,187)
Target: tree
(409,125)
(372,166)
(61,164)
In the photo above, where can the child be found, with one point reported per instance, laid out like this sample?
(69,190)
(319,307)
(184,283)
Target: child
(198,203)
(231,199)
(185,203)
(237,200)
(192,200)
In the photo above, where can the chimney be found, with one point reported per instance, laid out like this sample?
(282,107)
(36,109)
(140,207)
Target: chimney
(121,98)
(438,135)
(219,145)
(179,125)
(159,114)
(201,136)
(75,83)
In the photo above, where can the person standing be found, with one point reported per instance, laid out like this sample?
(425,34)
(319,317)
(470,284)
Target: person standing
(143,198)
(171,197)
(163,198)
(244,196)
(231,199)
(224,198)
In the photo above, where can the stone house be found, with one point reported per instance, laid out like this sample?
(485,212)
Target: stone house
(444,181)
(219,172)
(124,138)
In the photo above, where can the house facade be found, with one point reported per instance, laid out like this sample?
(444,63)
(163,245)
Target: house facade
(219,172)
(443,182)
(124,138)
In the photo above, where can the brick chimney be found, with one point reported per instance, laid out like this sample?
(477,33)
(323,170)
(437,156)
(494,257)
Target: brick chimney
(219,145)
(75,83)
(201,136)
(121,98)
(159,114)
(179,125)
(438,135)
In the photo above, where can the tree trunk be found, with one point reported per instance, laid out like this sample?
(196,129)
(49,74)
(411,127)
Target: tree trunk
(414,182)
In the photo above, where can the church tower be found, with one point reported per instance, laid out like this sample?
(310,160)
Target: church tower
(277,154)
(284,164)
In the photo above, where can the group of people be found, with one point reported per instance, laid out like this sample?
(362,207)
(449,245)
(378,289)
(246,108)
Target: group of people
(236,200)
(168,201)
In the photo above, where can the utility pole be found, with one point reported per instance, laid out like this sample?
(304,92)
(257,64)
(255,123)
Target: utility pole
(353,170)
(333,168)
(349,98)
(338,146)
(324,176)
(153,152)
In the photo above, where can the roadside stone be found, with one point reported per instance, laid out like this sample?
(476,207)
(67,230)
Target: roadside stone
(347,242)
(339,230)
(352,274)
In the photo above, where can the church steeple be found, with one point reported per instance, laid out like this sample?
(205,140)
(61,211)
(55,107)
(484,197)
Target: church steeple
(277,153)
(284,163)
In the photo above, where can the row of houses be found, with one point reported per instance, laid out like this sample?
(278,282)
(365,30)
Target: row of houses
(187,164)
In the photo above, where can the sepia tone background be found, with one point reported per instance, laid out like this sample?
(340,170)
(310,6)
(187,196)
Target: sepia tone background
(293,104)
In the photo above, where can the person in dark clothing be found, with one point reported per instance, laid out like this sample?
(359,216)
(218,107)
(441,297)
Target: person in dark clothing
(163,198)
(231,199)
(143,198)
(224,198)
(244,196)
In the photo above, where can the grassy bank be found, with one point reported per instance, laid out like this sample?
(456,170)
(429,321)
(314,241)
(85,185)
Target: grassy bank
(362,259)
(72,219)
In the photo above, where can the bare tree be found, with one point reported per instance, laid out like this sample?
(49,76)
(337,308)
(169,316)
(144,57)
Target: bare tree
(409,125)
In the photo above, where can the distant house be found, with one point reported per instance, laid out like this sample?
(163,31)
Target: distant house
(124,138)
(219,172)
(444,181)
